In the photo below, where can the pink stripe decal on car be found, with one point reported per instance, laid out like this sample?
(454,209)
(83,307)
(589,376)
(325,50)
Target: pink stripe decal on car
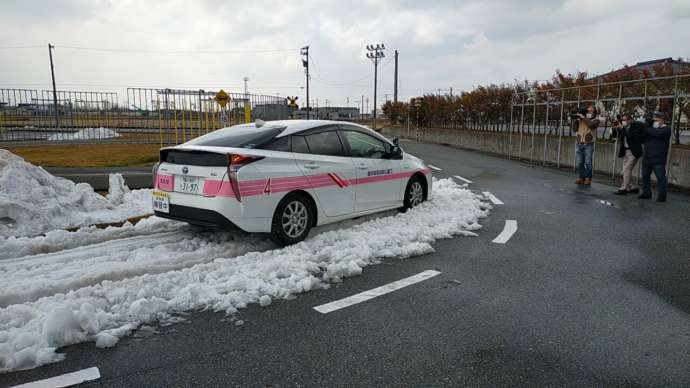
(268,186)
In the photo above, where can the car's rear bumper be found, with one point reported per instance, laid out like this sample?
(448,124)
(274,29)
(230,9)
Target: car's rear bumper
(223,212)
(196,216)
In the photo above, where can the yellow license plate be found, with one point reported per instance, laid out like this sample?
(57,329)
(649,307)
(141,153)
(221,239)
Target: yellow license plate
(161,201)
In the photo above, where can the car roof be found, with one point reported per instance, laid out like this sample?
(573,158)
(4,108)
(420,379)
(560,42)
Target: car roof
(294,126)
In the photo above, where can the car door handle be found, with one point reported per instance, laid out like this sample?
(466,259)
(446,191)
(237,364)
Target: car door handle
(362,166)
(311,166)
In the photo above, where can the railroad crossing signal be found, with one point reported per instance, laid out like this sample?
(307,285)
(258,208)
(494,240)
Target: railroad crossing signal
(418,102)
(292,101)
(222,98)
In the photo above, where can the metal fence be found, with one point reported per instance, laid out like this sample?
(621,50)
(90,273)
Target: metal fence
(546,112)
(145,115)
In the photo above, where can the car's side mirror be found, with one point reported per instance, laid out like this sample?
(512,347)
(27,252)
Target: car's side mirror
(396,152)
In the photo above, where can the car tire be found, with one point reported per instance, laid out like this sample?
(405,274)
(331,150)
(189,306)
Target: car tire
(415,193)
(292,220)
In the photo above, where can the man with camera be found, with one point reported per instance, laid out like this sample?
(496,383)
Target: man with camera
(586,124)
(656,144)
(630,137)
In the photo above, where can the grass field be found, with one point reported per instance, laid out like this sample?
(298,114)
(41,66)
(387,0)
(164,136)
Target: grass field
(89,155)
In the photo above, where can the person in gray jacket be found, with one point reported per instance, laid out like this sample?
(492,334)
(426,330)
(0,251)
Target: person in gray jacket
(656,144)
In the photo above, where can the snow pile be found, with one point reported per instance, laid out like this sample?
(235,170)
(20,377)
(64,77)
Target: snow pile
(103,312)
(32,201)
(85,134)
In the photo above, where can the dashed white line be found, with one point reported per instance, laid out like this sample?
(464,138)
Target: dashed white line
(462,179)
(373,293)
(434,167)
(509,230)
(493,198)
(65,380)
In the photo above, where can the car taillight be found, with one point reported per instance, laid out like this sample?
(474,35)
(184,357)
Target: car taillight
(235,162)
(154,173)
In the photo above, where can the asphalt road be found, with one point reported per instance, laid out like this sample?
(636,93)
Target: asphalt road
(135,177)
(592,290)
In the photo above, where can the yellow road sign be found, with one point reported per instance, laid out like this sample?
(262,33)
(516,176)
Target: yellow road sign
(222,98)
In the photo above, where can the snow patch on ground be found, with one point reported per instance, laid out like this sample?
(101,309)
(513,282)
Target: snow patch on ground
(85,134)
(105,311)
(32,201)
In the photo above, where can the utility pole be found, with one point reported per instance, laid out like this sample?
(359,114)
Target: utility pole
(451,92)
(395,84)
(368,109)
(439,92)
(361,112)
(305,63)
(52,74)
(375,54)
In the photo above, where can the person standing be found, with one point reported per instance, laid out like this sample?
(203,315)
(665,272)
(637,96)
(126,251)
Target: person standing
(586,125)
(656,144)
(630,137)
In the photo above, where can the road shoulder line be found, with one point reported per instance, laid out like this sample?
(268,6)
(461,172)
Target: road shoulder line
(508,231)
(373,293)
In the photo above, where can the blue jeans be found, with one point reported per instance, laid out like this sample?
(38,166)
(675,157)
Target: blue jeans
(660,173)
(583,159)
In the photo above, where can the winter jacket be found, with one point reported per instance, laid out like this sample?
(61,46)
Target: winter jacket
(634,135)
(656,145)
(586,130)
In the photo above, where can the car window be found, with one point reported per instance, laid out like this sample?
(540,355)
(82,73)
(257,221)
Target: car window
(325,143)
(277,144)
(299,144)
(238,136)
(365,146)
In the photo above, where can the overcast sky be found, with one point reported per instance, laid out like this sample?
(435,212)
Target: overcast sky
(442,44)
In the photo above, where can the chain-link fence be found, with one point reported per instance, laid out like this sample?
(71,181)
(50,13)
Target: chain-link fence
(145,115)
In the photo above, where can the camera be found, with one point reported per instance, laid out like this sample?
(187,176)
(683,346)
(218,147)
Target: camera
(579,111)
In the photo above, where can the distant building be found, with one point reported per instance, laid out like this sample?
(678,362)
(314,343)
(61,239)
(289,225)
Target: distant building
(679,66)
(328,113)
(268,112)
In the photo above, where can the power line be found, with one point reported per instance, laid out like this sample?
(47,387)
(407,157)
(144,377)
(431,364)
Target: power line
(20,47)
(144,51)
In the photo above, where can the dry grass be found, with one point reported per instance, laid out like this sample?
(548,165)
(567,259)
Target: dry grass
(89,155)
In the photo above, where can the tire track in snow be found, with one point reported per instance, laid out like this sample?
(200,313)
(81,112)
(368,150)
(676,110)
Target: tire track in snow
(25,279)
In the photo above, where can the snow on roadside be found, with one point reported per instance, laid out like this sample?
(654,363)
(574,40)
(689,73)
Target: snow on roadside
(32,201)
(31,332)
(60,239)
(85,134)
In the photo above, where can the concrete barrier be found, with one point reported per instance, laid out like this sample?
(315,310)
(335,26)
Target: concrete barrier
(540,149)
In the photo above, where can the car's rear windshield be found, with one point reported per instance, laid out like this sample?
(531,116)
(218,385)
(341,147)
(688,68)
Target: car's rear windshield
(239,137)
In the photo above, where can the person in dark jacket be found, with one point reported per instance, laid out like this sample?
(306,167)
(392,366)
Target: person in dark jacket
(630,138)
(656,144)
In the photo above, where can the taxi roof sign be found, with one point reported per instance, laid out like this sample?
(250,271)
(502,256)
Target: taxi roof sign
(222,98)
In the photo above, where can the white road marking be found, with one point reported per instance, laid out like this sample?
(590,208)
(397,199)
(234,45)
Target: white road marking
(509,230)
(434,167)
(373,293)
(493,198)
(65,380)
(462,179)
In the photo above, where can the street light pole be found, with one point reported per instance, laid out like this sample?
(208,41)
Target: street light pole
(375,54)
(305,63)
(52,74)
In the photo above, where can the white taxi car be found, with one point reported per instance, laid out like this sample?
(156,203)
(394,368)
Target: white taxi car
(284,177)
